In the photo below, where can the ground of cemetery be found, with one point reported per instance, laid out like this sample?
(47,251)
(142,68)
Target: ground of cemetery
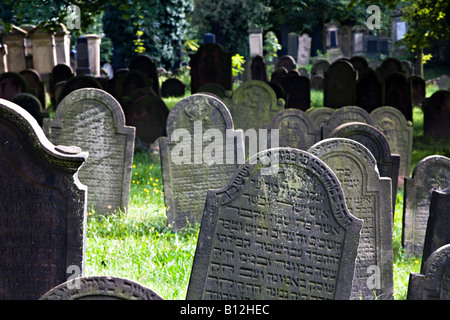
(138,245)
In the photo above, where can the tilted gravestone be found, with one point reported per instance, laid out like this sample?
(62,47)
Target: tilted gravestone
(434,282)
(397,94)
(431,173)
(320,116)
(253,104)
(436,115)
(374,140)
(399,134)
(42,207)
(367,196)
(438,226)
(345,115)
(210,64)
(276,234)
(296,129)
(298,91)
(369,90)
(94,121)
(339,87)
(101,288)
(196,156)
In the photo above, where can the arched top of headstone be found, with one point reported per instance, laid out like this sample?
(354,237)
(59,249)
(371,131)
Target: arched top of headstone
(32,73)
(391,114)
(101,288)
(319,67)
(37,140)
(78,82)
(320,116)
(9,80)
(80,96)
(420,170)
(213,88)
(264,94)
(287,62)
(345,115)
(359,63)
(341,65)
(199,107)
(388,66)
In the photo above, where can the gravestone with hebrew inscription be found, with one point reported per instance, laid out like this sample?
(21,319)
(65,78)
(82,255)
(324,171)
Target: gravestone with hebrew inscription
(320,116)
(438,225)
(430,173)
(253,104)
(280,229)
(296,129)
(345,115)
(101,288)
(374,140)
(367,196)
(433,283)
(94,121)
(197,155)
(339,86)
(42,207)
(398,132)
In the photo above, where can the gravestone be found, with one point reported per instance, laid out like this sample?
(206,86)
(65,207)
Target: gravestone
(316,82)
(443,82)
(298,91)
(360,64)
(42,207)
(194,165)
(418,89)
(129,83)
(32,104)
(369,90)
(304,49)
(93,120)
(278,74)
(11,84)
(296,129)
(367,196)
(75,83)
(148,113)
(60,72)
(374,140)
(345,115)
(389,66)
(399,134)
(35,85)
(283,234)
(430,173)
(101,288)
(256,69)
(253,105)
(83,66)
(214,88)
(210,64)
(438,226)
(147,66)
(434,282)
(397,94)
(172,87)
(320,116)
(339,87)
(436,115)
(407,68)
(319,67)
(287,62)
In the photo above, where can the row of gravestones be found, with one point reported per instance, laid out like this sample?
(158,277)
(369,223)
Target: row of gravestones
(295,226)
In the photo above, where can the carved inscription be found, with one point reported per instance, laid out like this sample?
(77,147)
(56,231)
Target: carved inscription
(278,236)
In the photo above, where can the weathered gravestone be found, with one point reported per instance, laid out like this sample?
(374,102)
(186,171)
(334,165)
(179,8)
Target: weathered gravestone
(35,85)
(367,196)
(298,91)
(443,82)
(42,207)
(196,164)
(397,94)
(431,173)
(129,83)
(434,282)
(296,129)
(214,88)
(438,226)
(389,66)
(369,90)
(11,84)
(172,87)
(399,134)
(283,234)
(101,288)
(210,64)
(278,74)
(287,62)
(60,72)
(436,115)
(345,115)
(75,83)
(256,69)
(316,82)
(374,140)
(254,104)
(359,63)
(93,120)
(320,116)
(147,66)
(319,67)
(32,104)
(339,87)
(418,89)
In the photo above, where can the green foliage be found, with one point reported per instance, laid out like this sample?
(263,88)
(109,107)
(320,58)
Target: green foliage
(271,46)
(237,62)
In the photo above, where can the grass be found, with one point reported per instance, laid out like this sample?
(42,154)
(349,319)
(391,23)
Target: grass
(139,245)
